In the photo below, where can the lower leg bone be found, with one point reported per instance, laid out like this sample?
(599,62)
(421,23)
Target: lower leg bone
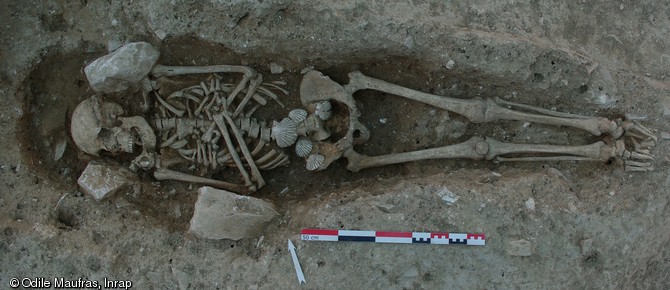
(477,148)
(596,151)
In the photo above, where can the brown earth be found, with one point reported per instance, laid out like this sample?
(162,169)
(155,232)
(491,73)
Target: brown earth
(588,57)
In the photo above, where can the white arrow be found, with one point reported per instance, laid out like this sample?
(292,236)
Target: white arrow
(296,263)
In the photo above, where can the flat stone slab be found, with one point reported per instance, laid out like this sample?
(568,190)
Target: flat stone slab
(102,180)
(220,214)
(123,68)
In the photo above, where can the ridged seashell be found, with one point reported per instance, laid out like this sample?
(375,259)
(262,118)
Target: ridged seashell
(303,147)
(323,110)
(285,132)
(314,161)
(297,115)
(323,115)
(323,106)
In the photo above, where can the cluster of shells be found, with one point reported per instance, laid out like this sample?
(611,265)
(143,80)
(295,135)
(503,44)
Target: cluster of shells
(285,133)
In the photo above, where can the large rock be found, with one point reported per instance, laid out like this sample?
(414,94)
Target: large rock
(102,180)
(122,68)
(221,214)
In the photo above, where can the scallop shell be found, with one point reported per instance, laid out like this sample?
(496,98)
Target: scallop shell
(323,110)
(323,106)
(303,147)
(314,161)
(323,115)
(297,115)
(284,132)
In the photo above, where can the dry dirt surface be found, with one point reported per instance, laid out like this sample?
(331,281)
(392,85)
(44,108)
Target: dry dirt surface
(560,225)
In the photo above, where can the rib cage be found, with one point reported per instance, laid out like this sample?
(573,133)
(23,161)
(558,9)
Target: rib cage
(185,123)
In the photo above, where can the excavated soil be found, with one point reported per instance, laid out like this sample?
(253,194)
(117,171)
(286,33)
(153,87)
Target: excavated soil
(590,225)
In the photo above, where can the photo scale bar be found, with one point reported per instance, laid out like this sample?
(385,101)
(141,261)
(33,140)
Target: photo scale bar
(434,238)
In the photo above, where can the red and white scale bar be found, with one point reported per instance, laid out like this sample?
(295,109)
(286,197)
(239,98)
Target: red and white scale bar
(393,237)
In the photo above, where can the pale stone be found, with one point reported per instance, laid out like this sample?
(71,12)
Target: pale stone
(275,68)
(183,279)
(220,214)
(160,33)
(104,180)
(60,149)
(122,68)
(411,272)
(450,64)
(530,204)
(409,42)
(519,248)
(665,106)
(447,196)
(586,246)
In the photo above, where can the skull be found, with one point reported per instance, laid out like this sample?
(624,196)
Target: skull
(97,126)
(92,120)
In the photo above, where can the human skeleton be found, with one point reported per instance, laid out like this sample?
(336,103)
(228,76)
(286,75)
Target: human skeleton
(211,126)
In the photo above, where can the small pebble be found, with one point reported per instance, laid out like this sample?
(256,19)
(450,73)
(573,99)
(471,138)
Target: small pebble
(521,248)
(60,149)
(275,68)
(409,42)
(177,211)
(411,272)
(306,70)
(113,44)
(121,202)
(285,190)
(585,246)
(530,204)
(665,107)
(450,64)
(160,33)
(383,120)
(447,196)
(183,279)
